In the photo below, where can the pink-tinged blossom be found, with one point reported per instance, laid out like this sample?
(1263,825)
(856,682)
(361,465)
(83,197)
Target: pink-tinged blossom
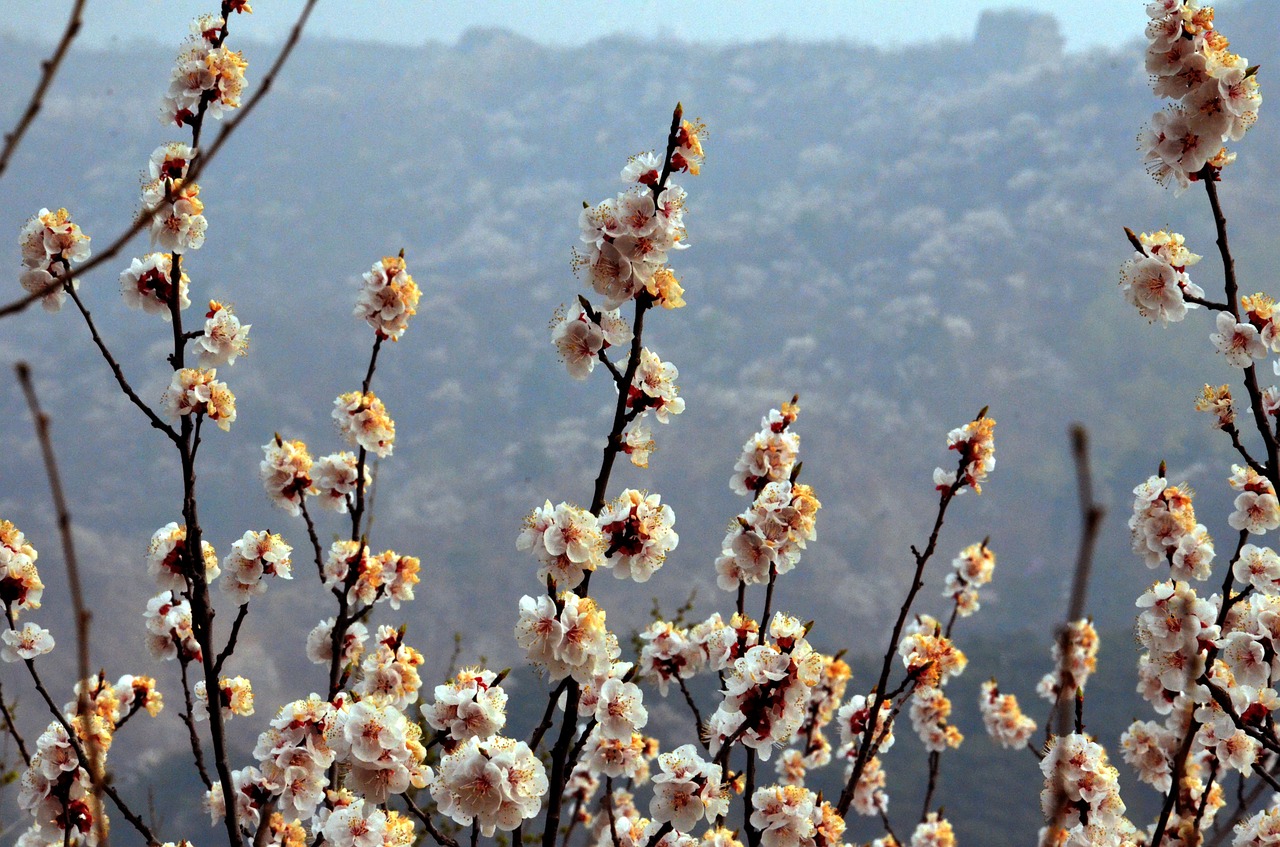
(147,284)
(25,643)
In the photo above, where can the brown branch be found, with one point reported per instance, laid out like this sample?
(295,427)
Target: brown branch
(1091,515)
(439,837)
(197,167)
(231,639)
(117,372)
(697,715)
(49,69)
(865,746)
(80,611)
(12,729)
(188,718)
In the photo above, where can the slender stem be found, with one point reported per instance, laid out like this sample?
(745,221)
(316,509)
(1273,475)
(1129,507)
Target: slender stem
(935,762)
(697,715)
(438,836)
(865,746)
(231,639)
(12,729)
(117,372)
(49,69)
(188,718)
(749,800)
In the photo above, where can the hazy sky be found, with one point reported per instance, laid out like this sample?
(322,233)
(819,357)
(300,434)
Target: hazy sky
(1085,23)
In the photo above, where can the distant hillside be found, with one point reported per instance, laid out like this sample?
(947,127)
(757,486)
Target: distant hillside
(901,236)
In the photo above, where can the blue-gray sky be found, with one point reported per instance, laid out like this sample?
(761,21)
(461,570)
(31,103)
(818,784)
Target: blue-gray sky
(1085,23)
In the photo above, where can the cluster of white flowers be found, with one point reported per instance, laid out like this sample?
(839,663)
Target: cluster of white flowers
(975,443)
(20,585)
(970,570)
(235,697)
(566,635)
(813,750)
(363,421)
(381,748)
(687,789)
(390,671)
(1165,531)
(767,539)
(320,643)
(197,391)
(580,336)
(252,791)
(1003,717)
(371,579)
(168,623)
(50,242)
(471,705)
(1256,507)
(1071,674)
(494,782)
(253,556)
(224,337)
(1215,92)
(770,454)
(1155,279)
(178,223)
(1082,795)
(637,531)
(566,541)
(294,754)
(767,690)
(57,792)
(165,554)
(654,388)
(114,702)
(207,78)
(146,285)
(1174,627)
(286,470)
(1260,830)
(388,297)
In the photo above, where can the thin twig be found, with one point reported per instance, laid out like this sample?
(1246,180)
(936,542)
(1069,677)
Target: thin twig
(231,639)
(440,838)
(12,729)
(49,69)
(188,718)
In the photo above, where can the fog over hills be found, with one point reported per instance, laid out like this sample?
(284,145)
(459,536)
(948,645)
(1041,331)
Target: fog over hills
(900,236)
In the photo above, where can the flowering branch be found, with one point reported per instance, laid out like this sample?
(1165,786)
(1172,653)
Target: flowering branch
(145,218)
(48,69)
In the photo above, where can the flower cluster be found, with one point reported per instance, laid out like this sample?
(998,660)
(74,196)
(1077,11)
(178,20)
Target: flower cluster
(295,753)
(766,540)
(767,690)
(566,540)
(166,558)
(654,387)
(471,705)
(637,531)
(286,470)
(1082,795)
(178,223)
(390,671)
(235,697)
(687,789)
(146,284)
(1003,718)
(1071,673)
(20,585)
(581,336)
(1155,279)
(50,242)
(169,632)
(370,579)
(770,454)
(224,338)
(1165,531)
(363,421)
(255,555)
(56,791)
(197,391)
(566,635)
(1256,507)
(388,297)
(494,782)
(1215,92)
(381,747)
(969,571)
(207,78)
(976,447)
